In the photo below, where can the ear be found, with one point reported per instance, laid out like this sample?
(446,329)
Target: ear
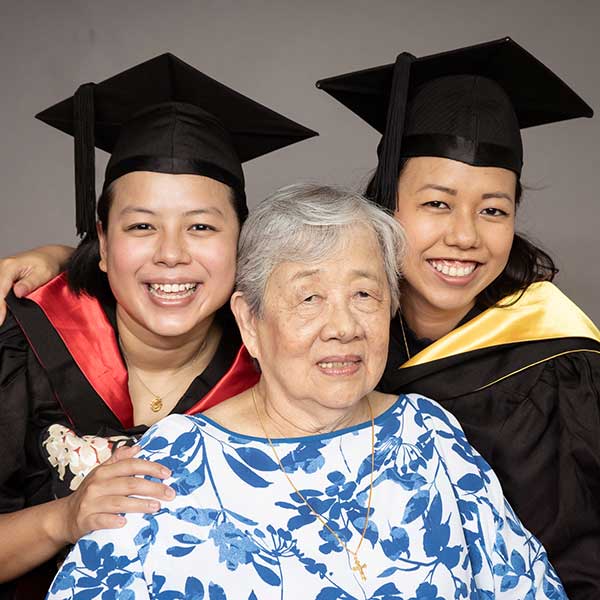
(102,244)
(246,322)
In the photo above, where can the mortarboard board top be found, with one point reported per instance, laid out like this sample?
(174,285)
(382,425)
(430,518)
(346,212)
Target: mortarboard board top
(164,115)
(255,129)
(538,95)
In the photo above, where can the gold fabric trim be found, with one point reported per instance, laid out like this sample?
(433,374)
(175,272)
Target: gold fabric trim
(542,313)
(539,362)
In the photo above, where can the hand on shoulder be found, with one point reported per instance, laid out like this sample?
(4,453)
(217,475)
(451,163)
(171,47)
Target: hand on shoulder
(27,271)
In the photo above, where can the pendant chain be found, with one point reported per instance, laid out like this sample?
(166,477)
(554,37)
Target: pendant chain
(156,404)
(404,335)
(358,566)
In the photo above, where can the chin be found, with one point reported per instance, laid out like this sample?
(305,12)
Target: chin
(168,330)
(343,399)
(171,327)
(448,301)
(176,321)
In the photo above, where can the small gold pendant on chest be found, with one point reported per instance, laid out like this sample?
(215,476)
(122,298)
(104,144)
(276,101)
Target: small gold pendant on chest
(360,568)
(156,405)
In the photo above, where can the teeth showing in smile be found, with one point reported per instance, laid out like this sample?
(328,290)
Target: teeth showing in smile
(172,290)
(463,270)
(336,365)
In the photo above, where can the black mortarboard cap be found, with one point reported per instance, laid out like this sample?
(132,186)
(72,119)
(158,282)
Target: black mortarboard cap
(467,105)
(165,116)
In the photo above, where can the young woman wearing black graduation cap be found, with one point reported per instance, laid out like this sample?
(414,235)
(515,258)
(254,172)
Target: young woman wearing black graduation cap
(482,330)
(136,328)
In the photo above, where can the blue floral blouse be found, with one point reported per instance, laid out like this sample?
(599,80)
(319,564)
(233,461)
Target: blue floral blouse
(439,526)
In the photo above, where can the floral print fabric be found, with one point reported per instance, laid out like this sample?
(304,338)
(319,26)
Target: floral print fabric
(439,527)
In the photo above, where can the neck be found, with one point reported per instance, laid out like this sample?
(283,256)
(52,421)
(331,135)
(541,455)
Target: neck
(281,417)
(149,352)
(427,321)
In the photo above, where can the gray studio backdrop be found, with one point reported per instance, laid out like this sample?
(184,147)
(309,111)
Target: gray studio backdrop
(274,52)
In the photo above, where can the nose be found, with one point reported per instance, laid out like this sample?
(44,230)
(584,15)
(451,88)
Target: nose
(171,249)
(462,230)
(341,323)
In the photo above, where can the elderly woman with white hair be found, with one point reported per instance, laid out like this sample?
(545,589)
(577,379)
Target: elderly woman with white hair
(311,484)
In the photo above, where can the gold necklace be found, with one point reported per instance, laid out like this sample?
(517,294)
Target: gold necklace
(404,335)
(358,566)
(156,404)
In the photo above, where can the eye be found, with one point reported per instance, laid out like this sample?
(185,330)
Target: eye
(310,299)
(140,227)
(438,204)
(494,212)
(362,294)
(202,227)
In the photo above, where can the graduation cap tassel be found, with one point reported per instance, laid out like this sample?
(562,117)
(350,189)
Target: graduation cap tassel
(384,187)
(85,172)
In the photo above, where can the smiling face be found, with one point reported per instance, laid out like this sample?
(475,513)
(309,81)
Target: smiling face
(322,338)
(169,251)
(459,221)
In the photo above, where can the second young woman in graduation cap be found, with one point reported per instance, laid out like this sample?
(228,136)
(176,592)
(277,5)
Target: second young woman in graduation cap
(482,330)
(135,328)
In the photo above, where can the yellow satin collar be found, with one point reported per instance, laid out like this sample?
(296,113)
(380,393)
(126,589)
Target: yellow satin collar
(543,312)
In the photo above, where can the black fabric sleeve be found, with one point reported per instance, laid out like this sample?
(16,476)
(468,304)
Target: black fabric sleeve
(27,405)
(574,381)
(14,415)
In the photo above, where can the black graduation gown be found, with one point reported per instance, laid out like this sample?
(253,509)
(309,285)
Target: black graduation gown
(524,382)
(60,366)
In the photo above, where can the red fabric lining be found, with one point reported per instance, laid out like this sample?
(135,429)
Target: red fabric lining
(90,339)
(241,375)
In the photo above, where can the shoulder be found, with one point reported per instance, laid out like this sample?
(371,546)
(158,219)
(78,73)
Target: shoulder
(452,446)
(178,443)
(14,349)
(431,414)
(236,415)
(446,427)
(425,417)
(553,312)
(171,439)
(168,430)
(11,334)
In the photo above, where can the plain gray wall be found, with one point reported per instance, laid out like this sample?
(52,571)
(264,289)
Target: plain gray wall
(274,52)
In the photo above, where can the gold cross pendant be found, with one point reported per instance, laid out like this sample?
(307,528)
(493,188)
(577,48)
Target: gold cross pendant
(360,567)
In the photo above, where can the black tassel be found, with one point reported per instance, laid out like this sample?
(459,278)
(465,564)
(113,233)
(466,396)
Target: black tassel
(385,182)
(85,171)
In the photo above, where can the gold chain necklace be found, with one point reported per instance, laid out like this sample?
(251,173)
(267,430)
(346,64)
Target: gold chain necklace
(358,566)
(156,404)
(404,335)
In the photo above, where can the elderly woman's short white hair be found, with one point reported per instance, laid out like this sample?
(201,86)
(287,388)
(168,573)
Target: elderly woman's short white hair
(306,223)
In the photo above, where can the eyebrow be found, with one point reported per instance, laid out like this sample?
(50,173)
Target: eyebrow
(497,195)
(453,192)
(304,274)
(439,188)
(355,272)
(203,211)
(136,209)
(366,274)
(190,213)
